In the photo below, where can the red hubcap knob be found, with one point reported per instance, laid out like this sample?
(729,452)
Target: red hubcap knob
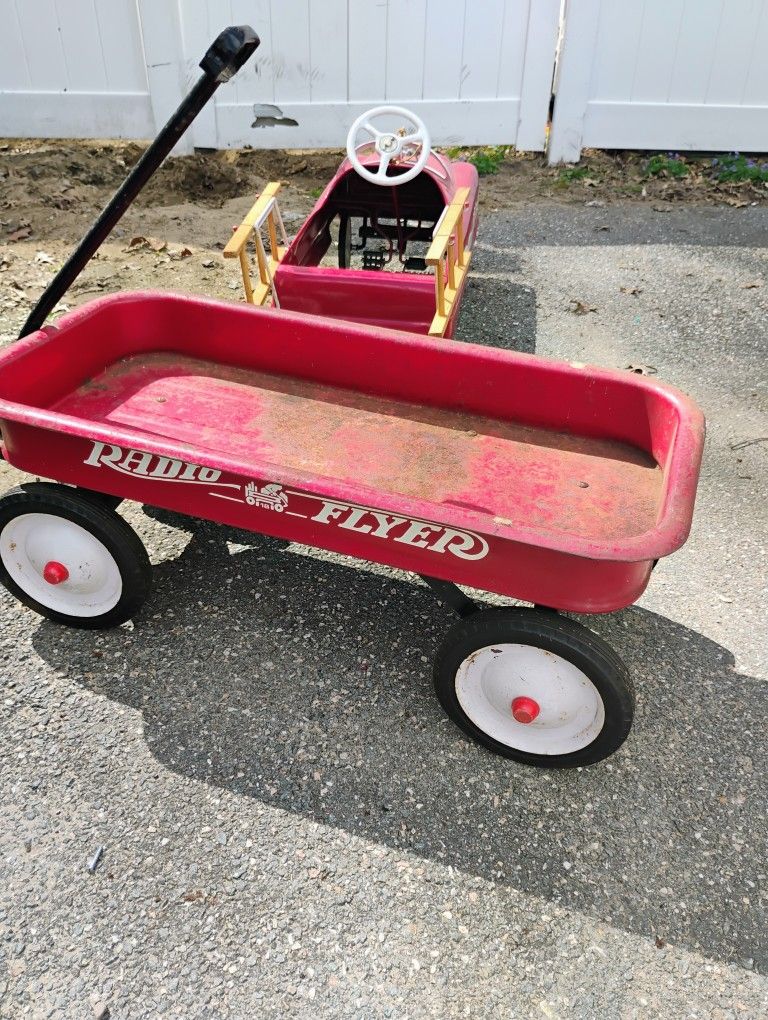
(525,710)
(55,572)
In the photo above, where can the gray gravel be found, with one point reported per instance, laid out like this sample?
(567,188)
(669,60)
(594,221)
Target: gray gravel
(290,826)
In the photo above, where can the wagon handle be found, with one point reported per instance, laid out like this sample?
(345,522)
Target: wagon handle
(224,58)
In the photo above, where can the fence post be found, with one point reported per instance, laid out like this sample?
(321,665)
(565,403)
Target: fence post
(164,59)
(538,67)
(573,77)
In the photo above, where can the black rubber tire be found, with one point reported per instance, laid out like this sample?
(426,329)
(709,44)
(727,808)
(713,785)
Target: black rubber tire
(554,633)
(345,240)
(102,498)
(111,530)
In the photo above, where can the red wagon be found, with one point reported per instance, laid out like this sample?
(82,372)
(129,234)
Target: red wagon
(553,483)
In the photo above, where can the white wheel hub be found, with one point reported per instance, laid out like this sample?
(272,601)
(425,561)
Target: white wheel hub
(60,565)
(499,688)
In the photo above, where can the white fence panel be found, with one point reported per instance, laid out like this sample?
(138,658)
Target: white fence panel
(476,73)
(73,70)
(662,74)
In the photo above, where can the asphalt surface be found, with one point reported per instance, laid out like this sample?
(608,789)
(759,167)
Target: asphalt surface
(290,826)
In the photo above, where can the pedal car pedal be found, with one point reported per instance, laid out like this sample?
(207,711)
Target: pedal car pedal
(374,259)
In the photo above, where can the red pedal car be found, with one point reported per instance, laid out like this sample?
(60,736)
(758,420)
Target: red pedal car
(388,242)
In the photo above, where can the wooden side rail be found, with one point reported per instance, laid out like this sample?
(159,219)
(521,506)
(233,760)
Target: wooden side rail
(450,260)
(265,212)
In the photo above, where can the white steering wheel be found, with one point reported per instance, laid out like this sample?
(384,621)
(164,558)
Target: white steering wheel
(403,145)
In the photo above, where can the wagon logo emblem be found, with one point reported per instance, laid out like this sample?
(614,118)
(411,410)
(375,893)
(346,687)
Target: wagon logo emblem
(153,466)
(271,496)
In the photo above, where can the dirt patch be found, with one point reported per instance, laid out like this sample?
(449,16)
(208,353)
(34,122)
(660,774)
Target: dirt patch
(51,190)
(63,174)
(60,174)
(602,177)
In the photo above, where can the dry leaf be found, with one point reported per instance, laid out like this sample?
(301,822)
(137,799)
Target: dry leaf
(147,242)
(20,234)
(581,307)
(43,258)
(752,284)
(180,253)
(634,291)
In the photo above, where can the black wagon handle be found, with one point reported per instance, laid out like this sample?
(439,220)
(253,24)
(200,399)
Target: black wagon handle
(227,54)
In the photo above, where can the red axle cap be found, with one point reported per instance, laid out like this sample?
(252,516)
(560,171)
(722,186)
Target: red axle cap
(55,572)
(525,709)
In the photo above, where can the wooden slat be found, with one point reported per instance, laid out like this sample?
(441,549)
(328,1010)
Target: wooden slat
(245,269)
(440,322)
(450,258)
(240,237)
(447,226)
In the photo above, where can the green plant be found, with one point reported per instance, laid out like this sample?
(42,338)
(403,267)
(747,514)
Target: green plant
(573,173)
(737,168)
(315,192)
(489,159)
(670,164)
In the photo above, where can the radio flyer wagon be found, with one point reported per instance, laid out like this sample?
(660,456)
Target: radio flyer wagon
(403,218)
(557,484)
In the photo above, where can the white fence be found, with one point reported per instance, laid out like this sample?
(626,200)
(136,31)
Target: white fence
(660,74)
(483,77)
(81,74)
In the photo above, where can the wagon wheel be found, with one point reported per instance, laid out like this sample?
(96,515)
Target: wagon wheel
(103,498)
(70,558)
(534,686)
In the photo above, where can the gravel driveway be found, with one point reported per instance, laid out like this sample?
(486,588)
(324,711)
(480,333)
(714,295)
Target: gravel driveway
(290,826)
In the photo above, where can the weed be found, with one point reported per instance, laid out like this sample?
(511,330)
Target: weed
(573,173)
(737,168)
(315,192)
(670,164)
(488,160)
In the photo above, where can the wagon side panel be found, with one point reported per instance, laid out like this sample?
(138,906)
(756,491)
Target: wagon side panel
(367,532)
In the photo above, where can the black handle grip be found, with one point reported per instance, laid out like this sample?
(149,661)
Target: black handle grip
(229,52)
(224,58)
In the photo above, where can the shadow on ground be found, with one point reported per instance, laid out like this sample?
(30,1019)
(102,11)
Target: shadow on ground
(305,683)
(498,312)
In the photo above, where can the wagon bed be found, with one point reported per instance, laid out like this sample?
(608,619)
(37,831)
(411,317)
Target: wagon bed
(515,473)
